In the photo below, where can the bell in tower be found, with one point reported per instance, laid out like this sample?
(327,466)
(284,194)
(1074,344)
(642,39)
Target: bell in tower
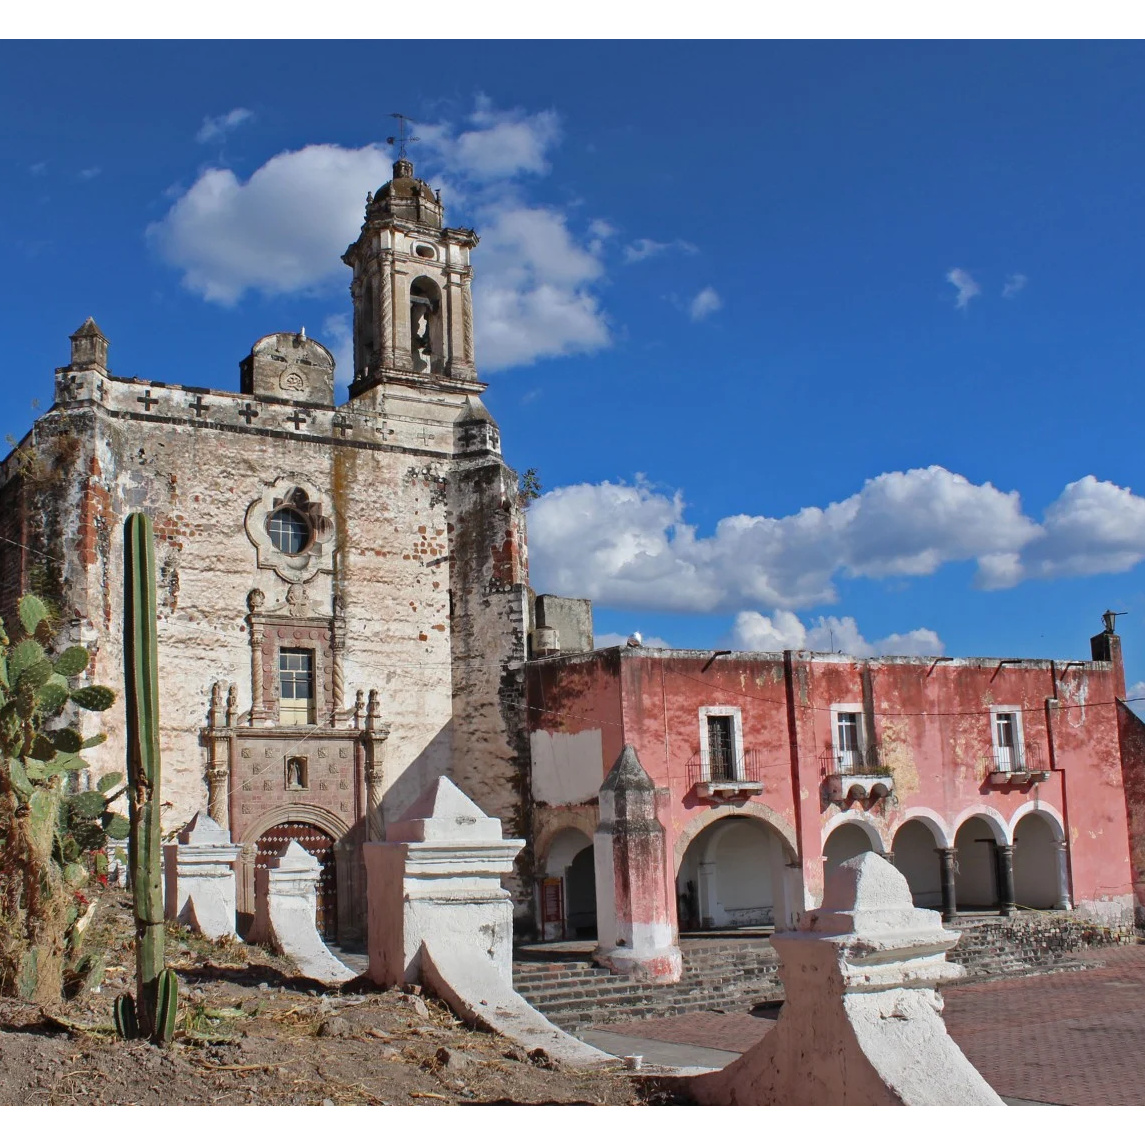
(413,304)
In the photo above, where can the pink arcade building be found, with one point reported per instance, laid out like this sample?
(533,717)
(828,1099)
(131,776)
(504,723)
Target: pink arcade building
(992,785)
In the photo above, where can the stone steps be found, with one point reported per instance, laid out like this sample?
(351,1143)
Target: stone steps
(731,973)
(720,975)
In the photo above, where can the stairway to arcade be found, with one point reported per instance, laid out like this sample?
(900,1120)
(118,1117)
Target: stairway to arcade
(739,971)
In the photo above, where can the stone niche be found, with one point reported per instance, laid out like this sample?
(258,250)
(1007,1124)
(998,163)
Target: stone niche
(289,366)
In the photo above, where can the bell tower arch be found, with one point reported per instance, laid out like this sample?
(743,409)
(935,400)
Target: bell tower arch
(411,289)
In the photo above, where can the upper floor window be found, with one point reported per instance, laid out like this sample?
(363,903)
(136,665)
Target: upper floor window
(288,530)
(721,744)
(847,734)
(721,753)
(1007,736)
(296,686)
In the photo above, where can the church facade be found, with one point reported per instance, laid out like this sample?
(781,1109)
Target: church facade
(343,601)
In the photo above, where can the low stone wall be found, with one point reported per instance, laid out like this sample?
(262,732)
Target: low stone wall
(1028,942)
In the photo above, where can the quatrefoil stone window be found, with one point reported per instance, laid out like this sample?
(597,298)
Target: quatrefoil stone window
(291,529)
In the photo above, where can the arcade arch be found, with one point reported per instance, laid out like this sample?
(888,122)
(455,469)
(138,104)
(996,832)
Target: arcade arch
(976,875)
(568,889)
(738,871)
(916,846)
(846,838)
(1039,862)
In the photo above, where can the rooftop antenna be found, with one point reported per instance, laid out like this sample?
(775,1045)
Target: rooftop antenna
(401,139)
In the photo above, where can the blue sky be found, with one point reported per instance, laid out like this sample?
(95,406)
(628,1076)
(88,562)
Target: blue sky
(810,343)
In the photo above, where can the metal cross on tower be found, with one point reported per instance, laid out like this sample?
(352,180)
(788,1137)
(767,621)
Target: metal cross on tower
(401,139)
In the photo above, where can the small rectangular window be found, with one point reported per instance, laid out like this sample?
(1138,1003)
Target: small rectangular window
(296,684)
(848,742)
(1007,742)
(721,748)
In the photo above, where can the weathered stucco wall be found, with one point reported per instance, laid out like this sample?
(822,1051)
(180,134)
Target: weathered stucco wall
(428,558)
(931,721)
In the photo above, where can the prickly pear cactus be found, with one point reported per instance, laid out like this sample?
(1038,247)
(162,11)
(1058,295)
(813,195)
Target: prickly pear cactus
(50,831)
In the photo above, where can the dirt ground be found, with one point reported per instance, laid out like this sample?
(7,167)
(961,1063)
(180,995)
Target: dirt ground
(252,1032)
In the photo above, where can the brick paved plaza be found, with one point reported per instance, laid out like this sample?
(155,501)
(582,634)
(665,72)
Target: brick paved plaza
(1070,1038)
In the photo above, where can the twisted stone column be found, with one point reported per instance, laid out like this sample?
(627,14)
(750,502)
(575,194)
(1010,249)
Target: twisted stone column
(218,776)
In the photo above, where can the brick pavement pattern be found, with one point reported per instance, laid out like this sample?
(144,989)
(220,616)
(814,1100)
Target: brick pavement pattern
(1074,1037)
(1071,1038)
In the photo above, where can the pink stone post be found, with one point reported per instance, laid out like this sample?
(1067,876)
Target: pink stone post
(635,928)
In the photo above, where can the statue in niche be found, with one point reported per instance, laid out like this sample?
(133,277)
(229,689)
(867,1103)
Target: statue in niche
(296,773)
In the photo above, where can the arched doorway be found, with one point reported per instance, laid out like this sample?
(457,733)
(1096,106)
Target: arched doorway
(273,842)
(916,856)
(845,842)
(732,876)
(568,890)
(580,895)
(1037,863)
(976,874)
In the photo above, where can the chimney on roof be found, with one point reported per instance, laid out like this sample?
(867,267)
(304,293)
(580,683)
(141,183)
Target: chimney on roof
(89,348)
(1106,645)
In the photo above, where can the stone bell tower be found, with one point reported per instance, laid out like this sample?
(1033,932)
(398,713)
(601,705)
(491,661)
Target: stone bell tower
(413,306)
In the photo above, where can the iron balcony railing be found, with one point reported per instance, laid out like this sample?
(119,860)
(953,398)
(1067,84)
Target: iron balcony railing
(1015,758)
(853,761)
(724,767)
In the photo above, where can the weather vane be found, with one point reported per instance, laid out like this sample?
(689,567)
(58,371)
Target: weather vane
(401,139)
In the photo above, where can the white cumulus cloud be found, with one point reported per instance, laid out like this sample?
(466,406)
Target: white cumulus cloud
(533,297)
(631,546)
(1093,527)
(219,126)
(280,231)
(705,303)
(755,632)
(963,282)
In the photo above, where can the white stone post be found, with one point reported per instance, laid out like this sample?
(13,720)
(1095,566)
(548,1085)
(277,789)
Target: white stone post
(861,1024)
(437,880)
(286,900)
(439,915)
(199,872)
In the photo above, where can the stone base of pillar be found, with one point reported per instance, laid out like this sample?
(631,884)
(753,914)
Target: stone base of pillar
(659,964)
(199,873)
(436,881)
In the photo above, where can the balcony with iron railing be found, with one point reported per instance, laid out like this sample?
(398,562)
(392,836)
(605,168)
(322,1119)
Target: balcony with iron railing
(856,773)
(725,774)
(1018,762)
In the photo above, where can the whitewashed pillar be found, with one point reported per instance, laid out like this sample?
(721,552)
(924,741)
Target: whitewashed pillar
(199,872)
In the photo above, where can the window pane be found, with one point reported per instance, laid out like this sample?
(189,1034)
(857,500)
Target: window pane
(848,731)
(1005,724)
(288,532)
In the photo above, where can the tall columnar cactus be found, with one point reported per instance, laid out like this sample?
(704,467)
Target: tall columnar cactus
(141,678)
